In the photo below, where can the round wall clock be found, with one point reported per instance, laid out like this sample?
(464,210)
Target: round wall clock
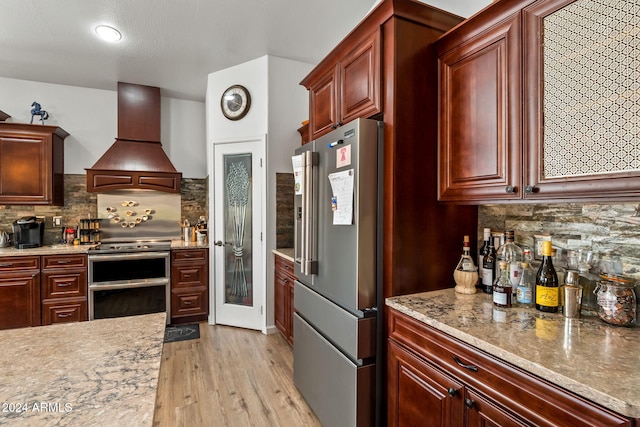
(235,102)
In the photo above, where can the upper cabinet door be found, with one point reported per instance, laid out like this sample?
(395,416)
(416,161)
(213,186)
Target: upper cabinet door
(360,80)
(582,115)
(480,139)
(323,102)
(31,164)
(347,87)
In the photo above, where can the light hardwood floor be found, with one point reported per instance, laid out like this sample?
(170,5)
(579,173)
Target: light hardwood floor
(229,377)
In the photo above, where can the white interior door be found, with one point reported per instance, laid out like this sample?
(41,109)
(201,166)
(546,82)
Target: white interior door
(239,279)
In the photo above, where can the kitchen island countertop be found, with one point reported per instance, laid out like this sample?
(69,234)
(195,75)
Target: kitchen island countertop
(98,373)
(586,356)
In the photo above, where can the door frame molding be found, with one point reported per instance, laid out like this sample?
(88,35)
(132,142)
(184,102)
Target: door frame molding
(262,280)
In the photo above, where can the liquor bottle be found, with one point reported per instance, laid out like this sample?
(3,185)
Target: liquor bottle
(525,292)
(513,256)
(483,251)
(547,291)
(489,269)
(502,289)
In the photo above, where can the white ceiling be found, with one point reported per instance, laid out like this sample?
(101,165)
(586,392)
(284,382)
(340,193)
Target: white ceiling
(171,44)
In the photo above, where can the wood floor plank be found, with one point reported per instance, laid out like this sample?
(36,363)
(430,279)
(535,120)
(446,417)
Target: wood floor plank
(229,377)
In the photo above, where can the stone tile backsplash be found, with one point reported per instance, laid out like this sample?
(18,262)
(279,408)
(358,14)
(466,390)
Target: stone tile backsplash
(606,228)
(79,204)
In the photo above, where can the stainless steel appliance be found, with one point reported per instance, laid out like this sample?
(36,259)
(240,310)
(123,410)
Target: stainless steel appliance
(129,278)
(338,295)
(28,232)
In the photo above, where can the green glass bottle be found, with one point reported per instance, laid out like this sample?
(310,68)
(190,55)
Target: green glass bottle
(547,290)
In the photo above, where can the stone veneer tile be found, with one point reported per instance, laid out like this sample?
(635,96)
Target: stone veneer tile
(79,204)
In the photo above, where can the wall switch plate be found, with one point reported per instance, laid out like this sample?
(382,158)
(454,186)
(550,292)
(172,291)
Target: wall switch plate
(57,221)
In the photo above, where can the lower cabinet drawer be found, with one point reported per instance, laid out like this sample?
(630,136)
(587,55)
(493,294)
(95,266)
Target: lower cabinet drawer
(63,312)
(189,302)
(64,285)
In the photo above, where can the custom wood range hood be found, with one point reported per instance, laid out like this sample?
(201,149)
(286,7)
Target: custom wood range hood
(136,159)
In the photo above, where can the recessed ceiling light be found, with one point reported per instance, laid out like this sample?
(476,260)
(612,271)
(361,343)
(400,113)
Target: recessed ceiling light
(108,33)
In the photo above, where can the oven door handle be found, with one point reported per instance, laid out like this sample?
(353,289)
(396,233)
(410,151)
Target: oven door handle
(129,284)
(128,255)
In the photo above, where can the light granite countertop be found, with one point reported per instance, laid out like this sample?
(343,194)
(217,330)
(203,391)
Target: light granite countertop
(286,253)
(597,361)
(98,373)
(83,249)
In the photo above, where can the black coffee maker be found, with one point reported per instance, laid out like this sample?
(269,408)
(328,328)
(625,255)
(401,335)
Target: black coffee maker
(28,232)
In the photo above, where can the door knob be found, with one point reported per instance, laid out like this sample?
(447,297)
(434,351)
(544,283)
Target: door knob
(219,243)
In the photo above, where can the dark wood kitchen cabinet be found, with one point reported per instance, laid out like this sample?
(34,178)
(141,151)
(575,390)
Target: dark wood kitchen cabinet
(31,164)
(345,88)
(19,291)
(435,377)
(189,285)
(64,288)
(495,145)
(283,281)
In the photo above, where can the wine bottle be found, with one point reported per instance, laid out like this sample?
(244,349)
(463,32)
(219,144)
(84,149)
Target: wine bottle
(483,251)
(489,269)
(466,262)
(547,291)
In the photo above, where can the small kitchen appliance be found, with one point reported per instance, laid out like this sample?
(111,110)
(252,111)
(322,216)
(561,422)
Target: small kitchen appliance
(28,232)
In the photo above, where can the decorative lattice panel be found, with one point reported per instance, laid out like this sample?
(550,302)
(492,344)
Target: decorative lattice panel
(592,88)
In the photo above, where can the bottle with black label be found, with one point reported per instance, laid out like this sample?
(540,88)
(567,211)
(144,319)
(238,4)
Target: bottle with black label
(483,251)
(547,291)
(489,268)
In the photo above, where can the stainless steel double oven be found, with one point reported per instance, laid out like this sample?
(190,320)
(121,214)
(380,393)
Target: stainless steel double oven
(126,280)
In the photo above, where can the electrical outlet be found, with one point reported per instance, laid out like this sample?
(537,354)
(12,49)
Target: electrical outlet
(57,221)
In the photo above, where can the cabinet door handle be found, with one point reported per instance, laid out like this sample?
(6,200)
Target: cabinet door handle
(529,189)
(469,403)
(469,367)
(452,391)
(338,124)
(334,126)
(510,189)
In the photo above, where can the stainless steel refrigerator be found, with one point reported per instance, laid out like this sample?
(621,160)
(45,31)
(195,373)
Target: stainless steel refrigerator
(338,293)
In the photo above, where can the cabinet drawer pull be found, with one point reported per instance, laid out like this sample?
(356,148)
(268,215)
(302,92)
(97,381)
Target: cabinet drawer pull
(186,276)
(469,403)
(63,315)
(469,367)
(64,261)
(510,189)
(188,302)
(287,267)
(63,285)
(8,264)
(452,391)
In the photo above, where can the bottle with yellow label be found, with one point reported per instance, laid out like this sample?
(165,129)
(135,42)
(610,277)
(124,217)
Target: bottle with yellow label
(547,290)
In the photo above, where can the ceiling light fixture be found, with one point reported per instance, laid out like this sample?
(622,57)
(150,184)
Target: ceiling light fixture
(108,33)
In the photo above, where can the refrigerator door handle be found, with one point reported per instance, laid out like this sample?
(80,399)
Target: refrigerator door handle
(309,263)
(303,219)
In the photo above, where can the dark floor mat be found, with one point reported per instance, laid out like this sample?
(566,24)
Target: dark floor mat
(181,333)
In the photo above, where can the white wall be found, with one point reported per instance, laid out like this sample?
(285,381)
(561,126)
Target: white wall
(90,117)
(278,106)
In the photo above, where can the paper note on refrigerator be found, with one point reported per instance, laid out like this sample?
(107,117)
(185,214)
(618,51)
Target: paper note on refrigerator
(342,200)
(297,173)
